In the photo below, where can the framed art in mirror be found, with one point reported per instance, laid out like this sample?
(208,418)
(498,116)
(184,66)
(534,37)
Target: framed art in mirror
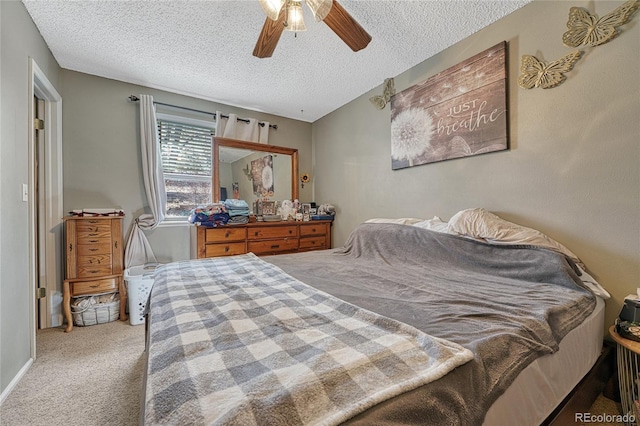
(231,159)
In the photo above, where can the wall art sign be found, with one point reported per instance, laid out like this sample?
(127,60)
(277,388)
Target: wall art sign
(459,112)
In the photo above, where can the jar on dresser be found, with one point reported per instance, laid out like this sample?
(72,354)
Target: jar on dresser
(94,260)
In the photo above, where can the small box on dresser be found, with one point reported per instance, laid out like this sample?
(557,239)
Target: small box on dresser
(94,260)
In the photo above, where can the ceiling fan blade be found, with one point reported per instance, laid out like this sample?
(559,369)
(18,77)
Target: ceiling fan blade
(347,28)
(269,36)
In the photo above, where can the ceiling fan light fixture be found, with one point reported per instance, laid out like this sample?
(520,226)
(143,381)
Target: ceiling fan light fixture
(320,8)
(272,8)
(295,20)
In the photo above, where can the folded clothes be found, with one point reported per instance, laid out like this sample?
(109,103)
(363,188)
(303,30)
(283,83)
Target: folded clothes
(236,220)
(238,212)
(232,203)
(209,209)
(209,220)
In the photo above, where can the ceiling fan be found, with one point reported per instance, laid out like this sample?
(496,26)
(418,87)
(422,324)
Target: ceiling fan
(287,14)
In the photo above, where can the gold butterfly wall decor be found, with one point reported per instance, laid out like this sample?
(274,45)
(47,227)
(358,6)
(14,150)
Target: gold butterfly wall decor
(586,28)
(535,73)
(389,90)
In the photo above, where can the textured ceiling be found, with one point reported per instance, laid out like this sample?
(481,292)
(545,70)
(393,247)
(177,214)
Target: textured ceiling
(203,48)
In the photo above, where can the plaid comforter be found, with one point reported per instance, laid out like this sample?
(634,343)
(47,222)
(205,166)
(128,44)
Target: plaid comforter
(237,341)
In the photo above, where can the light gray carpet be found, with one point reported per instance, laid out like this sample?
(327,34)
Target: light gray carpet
(91,376)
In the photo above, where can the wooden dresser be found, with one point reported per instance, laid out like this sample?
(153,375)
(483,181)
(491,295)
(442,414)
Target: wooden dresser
(260,238)
(94,260)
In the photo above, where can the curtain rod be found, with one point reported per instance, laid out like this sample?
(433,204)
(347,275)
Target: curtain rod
(134,98)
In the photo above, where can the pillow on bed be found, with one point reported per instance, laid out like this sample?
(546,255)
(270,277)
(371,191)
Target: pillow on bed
(482,224)
(400,221)
(435,224)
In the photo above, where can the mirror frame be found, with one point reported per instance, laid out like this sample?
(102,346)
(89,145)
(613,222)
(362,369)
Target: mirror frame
(234,143)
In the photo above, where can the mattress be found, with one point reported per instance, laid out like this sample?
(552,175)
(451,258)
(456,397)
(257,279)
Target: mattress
(518,309)
(542,385)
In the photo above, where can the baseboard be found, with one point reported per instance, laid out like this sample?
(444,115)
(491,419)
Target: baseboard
(586,392)
(5,393)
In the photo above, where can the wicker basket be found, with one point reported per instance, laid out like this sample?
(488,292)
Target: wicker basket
(96,309)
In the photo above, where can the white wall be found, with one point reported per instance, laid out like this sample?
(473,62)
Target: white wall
(20,41)
(573,170)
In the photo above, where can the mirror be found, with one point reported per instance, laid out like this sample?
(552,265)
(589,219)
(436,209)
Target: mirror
(249,171)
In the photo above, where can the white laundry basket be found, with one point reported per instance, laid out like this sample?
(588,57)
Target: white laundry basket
(139,281)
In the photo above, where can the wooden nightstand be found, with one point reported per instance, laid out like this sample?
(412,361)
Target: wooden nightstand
(628,372)
(94,260)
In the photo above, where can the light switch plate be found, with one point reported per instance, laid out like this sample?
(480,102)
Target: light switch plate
(25,192)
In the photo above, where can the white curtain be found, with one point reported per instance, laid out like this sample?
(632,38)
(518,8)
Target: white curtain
(233,129)
(138,250)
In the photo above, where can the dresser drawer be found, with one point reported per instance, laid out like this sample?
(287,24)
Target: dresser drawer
(93,225)
(216,235)
(311,243)
(95,261)
(272,232)
(273,246)
(94,238)
(105,285)
(93,271)
(93,266)
(228,249)
(93,249)
(313,229)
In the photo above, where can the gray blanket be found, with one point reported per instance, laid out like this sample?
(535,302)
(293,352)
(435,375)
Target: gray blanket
(508,304)
(236,341)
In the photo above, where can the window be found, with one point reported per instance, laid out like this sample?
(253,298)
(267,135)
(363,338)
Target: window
(186,162)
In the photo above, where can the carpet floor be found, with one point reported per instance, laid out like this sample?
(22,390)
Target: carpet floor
(93,376)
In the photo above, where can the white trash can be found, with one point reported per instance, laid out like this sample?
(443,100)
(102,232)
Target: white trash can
(139,281)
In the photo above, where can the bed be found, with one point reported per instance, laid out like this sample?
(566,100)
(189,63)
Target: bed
(403,325)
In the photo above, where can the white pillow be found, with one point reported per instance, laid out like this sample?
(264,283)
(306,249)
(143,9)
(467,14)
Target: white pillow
(484,225)
(400,221)
(435,224)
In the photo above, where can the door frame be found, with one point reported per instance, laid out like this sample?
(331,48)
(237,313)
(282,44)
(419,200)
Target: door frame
(41,87)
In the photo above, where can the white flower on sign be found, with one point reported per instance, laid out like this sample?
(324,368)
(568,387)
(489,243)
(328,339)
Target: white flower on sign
(411,132)
(267,177)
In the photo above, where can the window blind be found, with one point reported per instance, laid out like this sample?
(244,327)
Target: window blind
(185,148)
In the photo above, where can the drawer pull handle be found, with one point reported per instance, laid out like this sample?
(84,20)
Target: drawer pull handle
(275,246)
(226,234)
(93,241)
(95,271)
(93,234)
(94,286)
(226,249)
(115,244)
(70,247)
(290,231)
(313,229)
(93,221)
(256,233)
(93,249)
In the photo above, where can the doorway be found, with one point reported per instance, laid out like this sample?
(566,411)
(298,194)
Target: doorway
(39,153)
(44,197)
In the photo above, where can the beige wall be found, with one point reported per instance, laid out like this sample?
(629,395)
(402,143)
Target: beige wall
(101,150)
(573,170)
(20,42)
